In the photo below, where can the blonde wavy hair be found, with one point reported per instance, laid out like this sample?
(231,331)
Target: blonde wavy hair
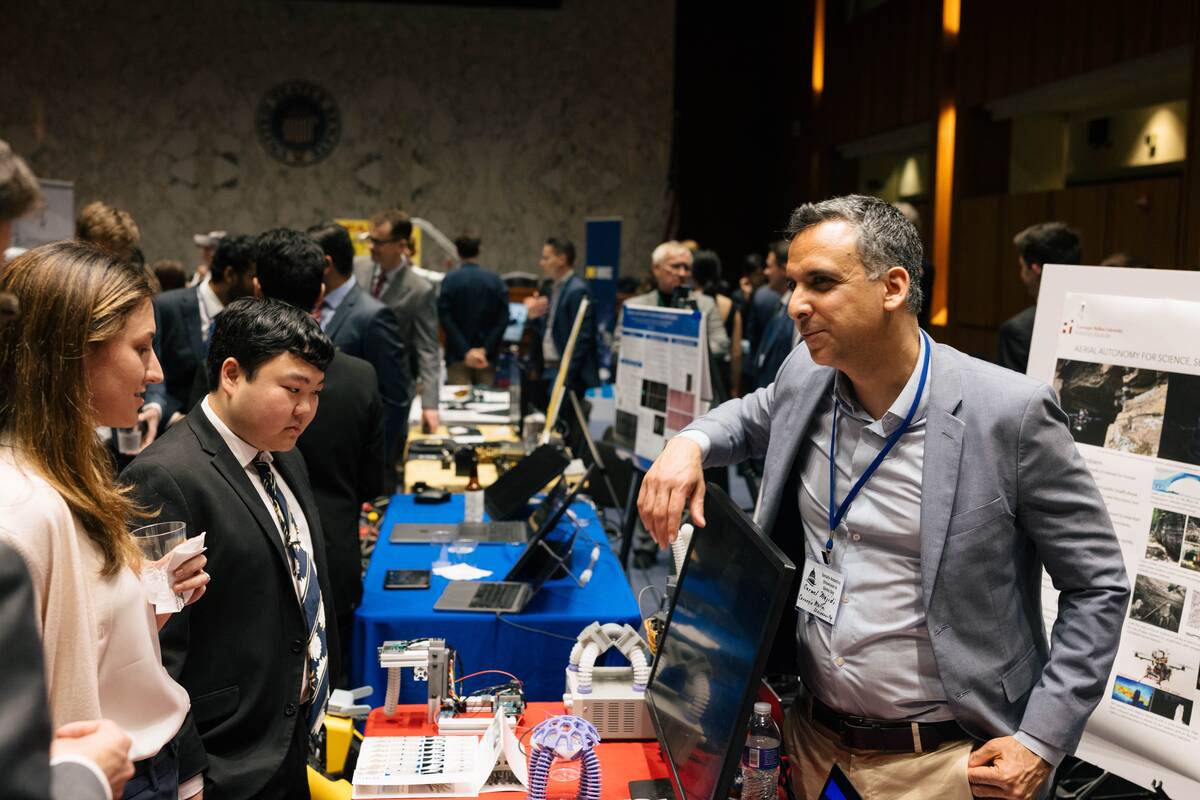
(73,297)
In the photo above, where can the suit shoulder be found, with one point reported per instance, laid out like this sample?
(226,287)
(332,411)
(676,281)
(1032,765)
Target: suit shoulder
(173,298)
(347,367)
(991,380)
(1021,322)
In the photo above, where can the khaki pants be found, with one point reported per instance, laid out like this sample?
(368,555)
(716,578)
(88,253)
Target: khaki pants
(459,374)
(813,749)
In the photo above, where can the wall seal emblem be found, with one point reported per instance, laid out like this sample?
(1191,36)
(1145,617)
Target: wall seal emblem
(298,123)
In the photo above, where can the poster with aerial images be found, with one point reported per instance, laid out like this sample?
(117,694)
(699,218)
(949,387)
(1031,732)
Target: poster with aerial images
(1120,349)
(662,377)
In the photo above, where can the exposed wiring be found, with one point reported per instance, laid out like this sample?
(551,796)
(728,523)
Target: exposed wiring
(651,586)
(493,672)
(551,634)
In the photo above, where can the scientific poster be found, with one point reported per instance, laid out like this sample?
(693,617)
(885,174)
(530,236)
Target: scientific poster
(662,378)
(1126,368)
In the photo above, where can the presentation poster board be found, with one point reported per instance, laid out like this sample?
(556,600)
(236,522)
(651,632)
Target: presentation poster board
(1119,346)
(662,378)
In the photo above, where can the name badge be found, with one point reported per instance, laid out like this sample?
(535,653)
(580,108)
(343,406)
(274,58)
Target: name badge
(820,591)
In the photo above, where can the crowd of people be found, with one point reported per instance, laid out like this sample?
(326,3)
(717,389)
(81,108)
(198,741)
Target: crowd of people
(272,390)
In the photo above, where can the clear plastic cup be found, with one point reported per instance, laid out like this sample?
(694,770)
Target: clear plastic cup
(463,546)
(156,543)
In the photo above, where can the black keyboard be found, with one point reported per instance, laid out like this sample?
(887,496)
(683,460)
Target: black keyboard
(496,595)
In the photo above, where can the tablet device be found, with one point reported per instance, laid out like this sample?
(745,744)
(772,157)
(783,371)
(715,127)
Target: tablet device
(406,579)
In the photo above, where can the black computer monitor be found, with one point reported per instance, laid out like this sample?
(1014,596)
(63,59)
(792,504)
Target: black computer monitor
(722,623)
(545,554)
(507,496)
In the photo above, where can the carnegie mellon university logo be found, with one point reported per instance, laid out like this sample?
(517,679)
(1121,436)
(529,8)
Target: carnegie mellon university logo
(298,123)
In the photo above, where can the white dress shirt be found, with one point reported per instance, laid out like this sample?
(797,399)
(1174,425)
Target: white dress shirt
(210,306)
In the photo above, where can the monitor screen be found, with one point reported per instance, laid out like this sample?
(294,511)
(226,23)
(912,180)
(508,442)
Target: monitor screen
(517,315)
(723,620)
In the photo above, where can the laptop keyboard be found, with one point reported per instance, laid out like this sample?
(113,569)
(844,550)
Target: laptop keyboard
(496,595)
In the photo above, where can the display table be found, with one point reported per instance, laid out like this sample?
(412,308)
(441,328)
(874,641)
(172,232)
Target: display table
(620,762)
(482,640)
(433,473)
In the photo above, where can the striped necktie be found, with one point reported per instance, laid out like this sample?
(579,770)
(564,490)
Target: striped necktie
(310,596)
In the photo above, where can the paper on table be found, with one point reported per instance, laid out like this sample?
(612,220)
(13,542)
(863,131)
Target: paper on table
(156,577)
(460,572)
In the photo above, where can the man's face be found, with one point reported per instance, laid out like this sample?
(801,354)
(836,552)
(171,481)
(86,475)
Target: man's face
(1031,276)
(775,274)
(837,308)
(675,270)
(552,263)
(387,251)
(273,408)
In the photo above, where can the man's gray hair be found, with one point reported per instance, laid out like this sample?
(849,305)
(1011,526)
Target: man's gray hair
(885,238)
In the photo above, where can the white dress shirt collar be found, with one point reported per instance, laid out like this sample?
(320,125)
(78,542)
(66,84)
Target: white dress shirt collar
(209,301)
(242,450)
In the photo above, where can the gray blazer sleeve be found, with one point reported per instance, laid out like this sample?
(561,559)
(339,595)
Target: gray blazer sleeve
(1061,510)
(72,781)
(425,337)
(737,428)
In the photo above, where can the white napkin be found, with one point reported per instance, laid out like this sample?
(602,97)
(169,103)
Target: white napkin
(156,577)
(460,572)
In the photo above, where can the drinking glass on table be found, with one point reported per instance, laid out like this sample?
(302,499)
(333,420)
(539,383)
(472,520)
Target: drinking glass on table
(156,543)
(463,546)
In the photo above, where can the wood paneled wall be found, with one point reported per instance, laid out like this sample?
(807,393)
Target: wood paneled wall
(1137,217)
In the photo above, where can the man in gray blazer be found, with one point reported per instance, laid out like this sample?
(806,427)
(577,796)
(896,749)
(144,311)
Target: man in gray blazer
(928,489)
(670,269)
(389,278)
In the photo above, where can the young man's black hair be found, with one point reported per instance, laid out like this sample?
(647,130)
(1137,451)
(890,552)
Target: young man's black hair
(563,247)
(468,246)
(335,241)
(290,267)
(254,331)
(233,250)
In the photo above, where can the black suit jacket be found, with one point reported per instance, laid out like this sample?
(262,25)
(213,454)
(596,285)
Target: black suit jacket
(366,328)
(344,450)
(473,309)
(1014,339)
(241,650)
(179,345)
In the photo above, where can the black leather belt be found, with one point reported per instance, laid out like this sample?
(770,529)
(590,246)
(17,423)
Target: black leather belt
(884,736)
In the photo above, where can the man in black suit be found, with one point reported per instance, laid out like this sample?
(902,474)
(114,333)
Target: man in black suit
(1037,245)
(362,326)
(185,316)
(254,656)
(344,445)
(473,309)
(553,317)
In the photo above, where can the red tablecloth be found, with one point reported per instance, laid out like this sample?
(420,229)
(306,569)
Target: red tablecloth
(620,762)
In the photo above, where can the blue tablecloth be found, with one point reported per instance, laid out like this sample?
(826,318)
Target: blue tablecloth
(482,640)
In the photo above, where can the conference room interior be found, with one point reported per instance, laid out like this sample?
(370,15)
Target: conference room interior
(512,121)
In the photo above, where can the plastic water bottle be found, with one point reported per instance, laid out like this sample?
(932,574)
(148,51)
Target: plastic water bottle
(760,757)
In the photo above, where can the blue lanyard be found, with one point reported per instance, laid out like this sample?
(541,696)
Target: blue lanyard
(838,512)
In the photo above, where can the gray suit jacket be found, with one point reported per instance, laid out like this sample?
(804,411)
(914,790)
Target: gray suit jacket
(1005,493)
(414,300)
(24,710)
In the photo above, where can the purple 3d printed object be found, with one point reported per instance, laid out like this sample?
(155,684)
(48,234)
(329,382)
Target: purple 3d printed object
(566,738)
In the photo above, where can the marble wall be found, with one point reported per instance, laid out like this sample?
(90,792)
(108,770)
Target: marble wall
(517,123)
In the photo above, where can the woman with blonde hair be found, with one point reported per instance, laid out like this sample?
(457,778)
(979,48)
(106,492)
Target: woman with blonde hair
(80,356)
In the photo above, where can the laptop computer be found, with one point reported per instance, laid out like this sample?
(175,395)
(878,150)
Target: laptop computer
(543,557)
(512,531)
(506,498)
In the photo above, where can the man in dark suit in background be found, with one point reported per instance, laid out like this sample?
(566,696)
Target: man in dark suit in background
(185,316)
(361,326)
(254,656)
(1037,245)
(553,316)
(390,278)
(344,445)
(473,309)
